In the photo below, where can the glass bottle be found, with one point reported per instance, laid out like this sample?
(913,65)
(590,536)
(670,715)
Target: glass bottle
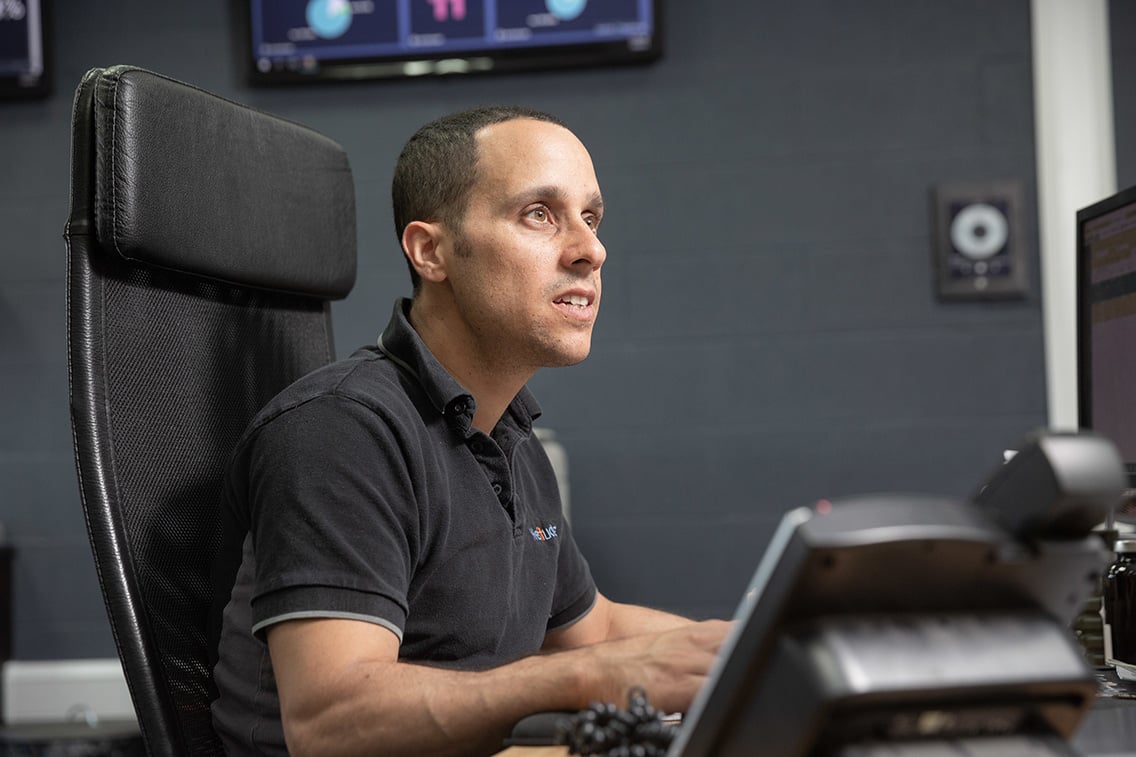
(1119,607)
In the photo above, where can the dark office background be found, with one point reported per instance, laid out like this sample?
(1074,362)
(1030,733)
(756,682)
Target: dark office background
(769,334)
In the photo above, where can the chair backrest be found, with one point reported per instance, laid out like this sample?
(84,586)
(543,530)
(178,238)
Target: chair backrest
(205,242)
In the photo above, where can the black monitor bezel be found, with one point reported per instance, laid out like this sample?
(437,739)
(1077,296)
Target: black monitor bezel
(10,86)
(616,53)
(1083,311)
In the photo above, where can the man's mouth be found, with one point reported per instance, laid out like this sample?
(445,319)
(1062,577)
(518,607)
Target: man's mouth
(578,300)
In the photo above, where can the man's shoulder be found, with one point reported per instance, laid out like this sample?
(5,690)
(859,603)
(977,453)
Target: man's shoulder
(365,378)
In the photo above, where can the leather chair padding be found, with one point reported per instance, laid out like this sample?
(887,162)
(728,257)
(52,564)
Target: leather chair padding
(190,181)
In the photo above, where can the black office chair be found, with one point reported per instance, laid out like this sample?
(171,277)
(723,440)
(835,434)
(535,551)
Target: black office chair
(205,242)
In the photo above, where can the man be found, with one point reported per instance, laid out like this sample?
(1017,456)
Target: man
(409,585)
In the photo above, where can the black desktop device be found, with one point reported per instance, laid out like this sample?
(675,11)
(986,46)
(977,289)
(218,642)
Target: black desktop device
(905,624)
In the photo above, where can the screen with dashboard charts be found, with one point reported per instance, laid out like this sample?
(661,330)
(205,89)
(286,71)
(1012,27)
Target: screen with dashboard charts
(293,41)
(1106,321)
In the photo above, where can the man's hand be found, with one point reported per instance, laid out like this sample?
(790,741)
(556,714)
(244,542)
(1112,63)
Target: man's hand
(668,655)
(671,666)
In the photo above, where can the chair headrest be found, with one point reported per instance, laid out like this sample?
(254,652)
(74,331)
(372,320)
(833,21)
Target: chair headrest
(192,182)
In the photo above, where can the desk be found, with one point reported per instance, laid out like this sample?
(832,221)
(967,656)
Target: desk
(117,737)
(1108,730)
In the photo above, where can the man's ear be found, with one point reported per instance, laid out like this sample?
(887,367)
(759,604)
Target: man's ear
(420,242)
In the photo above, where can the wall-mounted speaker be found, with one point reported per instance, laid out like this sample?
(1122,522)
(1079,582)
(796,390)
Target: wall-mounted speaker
(979,249)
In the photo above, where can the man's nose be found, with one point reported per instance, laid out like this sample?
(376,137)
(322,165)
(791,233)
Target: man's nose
(585,248)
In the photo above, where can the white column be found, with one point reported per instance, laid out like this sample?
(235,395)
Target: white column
(1076,166)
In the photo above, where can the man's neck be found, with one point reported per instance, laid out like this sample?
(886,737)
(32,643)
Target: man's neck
(492,384)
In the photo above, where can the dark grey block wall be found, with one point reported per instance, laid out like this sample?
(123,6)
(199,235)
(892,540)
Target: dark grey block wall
(769,333)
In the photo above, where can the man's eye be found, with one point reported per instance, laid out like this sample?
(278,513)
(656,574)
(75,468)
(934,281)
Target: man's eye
(538,214)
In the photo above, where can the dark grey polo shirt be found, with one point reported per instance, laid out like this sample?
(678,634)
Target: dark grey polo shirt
(366,493)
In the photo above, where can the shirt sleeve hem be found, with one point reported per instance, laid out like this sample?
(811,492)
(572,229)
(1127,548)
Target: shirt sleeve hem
(315,601)
(575,612)
(308,614)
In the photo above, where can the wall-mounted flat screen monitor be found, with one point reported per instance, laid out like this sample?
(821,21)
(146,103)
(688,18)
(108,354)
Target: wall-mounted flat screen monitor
(292,41)
(1106,322)
(24,70)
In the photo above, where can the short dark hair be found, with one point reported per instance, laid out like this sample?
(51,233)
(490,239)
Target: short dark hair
(438,166)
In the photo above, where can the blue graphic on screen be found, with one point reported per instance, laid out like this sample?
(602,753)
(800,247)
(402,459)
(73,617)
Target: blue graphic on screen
(285,30)
(565,10)
(329,18)
(552,18)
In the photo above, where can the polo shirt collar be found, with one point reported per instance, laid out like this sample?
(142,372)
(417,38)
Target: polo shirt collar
(401,343)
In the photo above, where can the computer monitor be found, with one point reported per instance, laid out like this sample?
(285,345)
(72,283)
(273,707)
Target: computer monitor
(293,41)
(24,49)
(1106,322)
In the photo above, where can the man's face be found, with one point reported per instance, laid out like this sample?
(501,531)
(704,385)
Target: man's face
(526,269)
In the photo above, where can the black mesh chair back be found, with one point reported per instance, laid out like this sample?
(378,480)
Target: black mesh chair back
(205,242)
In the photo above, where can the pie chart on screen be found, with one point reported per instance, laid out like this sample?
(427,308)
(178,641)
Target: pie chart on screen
(329,18)
(565,10)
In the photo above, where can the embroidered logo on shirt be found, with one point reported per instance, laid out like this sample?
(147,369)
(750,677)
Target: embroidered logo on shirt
(548,533)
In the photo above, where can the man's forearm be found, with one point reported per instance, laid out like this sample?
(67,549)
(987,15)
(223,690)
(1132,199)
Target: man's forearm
(342,690)
(362,705)
(634,620)
(406,709)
